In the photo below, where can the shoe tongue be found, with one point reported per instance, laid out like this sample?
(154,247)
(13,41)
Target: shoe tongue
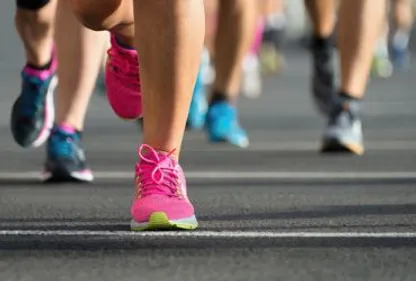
(160,158)
(159,166)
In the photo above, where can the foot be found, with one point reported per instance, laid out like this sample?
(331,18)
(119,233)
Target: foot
(400,55)
(381,66)
(123,82)
(400,58)
(161,201)
(66,160)
(272,59)
(33,112)
(251,76)
(344,130)
(223,126)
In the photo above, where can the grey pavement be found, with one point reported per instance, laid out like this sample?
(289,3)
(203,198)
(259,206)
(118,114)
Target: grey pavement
(246,200)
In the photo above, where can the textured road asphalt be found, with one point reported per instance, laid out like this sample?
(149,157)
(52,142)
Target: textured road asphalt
(279,185)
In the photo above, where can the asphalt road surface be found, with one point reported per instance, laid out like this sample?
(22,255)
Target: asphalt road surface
(276,211)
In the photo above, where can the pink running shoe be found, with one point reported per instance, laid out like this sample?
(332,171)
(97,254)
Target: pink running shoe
(161,201)
(123,82)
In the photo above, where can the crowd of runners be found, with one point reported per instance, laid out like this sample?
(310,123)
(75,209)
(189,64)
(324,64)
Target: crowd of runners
(181,65)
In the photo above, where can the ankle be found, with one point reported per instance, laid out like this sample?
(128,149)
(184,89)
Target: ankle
(345,96)
(319,41)
(218,96)
(124,42)
(147,148)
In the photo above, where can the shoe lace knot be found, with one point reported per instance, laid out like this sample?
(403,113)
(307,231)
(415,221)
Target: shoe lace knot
(156,173)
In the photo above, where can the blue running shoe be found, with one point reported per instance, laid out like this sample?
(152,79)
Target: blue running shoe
(399,50)
(400,58)
(199,106)
(65,158)
(33,113)
(223,126)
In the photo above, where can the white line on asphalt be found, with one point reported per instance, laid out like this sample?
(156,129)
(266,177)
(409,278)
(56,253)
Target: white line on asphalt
(255,146)
(258,146)
(300,146)
(212,234)
(246,175)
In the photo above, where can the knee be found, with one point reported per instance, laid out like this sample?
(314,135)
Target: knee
(97,15)
(36,13)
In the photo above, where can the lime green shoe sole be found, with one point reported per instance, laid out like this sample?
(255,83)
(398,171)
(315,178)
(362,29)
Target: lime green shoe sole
(160,221)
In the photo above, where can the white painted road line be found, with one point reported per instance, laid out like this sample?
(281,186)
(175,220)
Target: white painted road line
(194,145)
(301,146)
(308,175)
(256,146)
(213,234)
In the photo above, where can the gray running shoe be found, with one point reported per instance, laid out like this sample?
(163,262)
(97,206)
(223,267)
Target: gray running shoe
(343,133)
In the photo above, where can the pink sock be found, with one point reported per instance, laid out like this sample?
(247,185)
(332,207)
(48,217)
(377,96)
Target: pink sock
(67,128)
(44,73)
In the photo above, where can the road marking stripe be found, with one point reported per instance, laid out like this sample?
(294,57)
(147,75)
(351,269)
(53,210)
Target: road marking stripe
(307,175)
(300,146)
(212,234)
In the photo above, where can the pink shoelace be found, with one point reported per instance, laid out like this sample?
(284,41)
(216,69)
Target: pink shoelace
(124,66)
(156,174)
